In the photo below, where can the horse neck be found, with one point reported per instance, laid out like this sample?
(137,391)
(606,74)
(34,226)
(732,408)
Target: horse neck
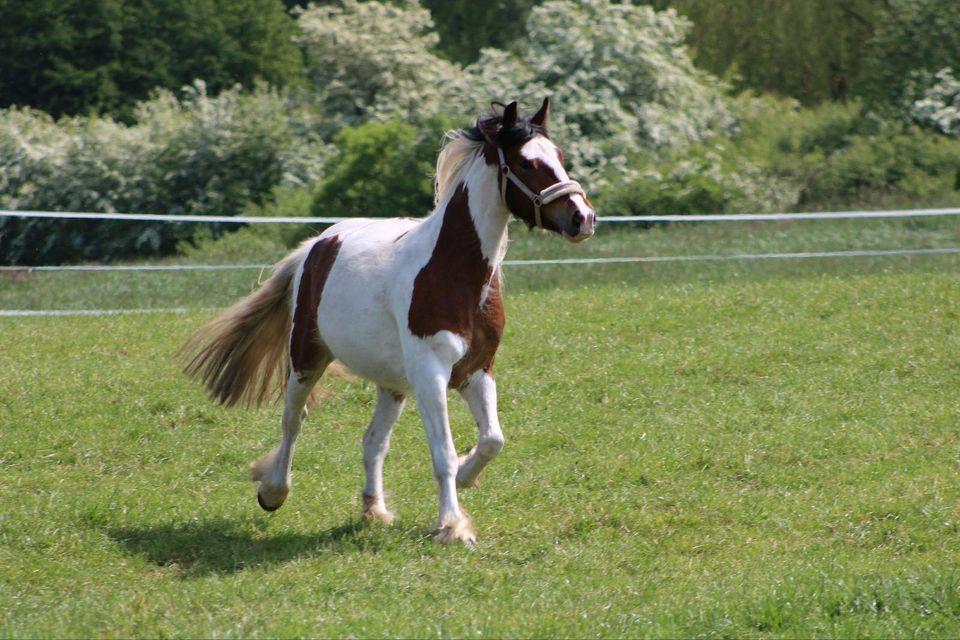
(490,216)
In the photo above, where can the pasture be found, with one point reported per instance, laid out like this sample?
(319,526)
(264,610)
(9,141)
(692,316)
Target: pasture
(742,448)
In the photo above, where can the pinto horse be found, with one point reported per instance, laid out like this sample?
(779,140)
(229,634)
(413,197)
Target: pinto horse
(411,304)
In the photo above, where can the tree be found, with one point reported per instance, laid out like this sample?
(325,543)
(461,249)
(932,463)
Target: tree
(811,50)
(620,77)
(79,56)
(913,40)
(60,55)
(373,60)
(466,26)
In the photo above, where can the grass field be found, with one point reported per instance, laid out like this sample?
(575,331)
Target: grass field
(709,449)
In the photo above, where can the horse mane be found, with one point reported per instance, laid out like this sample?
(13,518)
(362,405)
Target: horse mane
(462,146)
(458,152)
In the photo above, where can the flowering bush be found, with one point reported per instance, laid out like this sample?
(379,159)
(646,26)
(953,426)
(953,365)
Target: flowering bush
(940,106)
(194,154)
(620,79)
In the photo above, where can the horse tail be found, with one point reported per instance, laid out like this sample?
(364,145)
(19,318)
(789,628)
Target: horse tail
(242,356)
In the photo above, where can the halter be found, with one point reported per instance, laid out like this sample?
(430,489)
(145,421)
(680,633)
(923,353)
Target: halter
(545,197)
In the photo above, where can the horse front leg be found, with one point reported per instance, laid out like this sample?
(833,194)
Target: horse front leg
(376,443)
(480,392)
(430,386)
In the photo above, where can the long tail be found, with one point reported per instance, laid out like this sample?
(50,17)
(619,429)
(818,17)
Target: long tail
(242,355)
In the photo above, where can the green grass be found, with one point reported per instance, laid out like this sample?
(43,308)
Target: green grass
(734,450)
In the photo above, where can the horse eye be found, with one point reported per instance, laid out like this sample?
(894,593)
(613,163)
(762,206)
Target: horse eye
(525,165)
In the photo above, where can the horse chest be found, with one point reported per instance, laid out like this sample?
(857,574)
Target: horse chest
(448,292)
(484,338)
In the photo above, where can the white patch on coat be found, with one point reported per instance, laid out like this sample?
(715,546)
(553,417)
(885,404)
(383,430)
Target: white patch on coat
(542,150)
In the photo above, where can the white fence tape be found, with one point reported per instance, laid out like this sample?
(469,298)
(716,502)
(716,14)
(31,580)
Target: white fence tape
(803,255)
(725,217)
(64,313)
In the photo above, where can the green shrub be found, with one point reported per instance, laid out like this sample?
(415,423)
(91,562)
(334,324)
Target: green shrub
(381,169)
(262,242)
(702,180)
(835,156)
(904,164)
(195,155)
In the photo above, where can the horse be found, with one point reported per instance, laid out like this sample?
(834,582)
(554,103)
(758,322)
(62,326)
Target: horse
(414,305)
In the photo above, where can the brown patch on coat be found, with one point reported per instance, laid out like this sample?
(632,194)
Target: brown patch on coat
(307,351)
(485,338)
(542,176)
(448,290)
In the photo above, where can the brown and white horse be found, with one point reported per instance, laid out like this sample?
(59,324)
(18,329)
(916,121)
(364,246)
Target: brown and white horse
(411,304)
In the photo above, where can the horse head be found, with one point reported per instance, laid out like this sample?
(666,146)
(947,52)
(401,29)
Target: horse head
(533,184)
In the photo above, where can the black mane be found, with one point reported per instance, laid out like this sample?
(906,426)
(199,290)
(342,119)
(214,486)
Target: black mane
(506,137)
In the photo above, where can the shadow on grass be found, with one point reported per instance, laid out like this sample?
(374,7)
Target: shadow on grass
(225,546)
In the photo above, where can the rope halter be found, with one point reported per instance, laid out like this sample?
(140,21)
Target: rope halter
(542,199)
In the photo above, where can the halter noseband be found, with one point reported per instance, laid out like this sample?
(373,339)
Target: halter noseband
(542,199)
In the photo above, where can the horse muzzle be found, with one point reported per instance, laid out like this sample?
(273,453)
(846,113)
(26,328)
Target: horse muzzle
(579,224)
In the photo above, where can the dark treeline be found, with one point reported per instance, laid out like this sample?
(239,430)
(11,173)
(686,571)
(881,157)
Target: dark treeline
(83,56)
(70,57)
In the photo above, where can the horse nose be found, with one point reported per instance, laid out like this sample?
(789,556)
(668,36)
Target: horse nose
(581,223)
(586,221)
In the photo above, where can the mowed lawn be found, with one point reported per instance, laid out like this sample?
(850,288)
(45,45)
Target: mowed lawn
(775,456)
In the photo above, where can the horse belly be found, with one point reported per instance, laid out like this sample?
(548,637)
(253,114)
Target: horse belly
(360,332)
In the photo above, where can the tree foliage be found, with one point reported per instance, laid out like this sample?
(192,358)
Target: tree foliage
(619,76)
(940,106)
(808,49)
(381,169)
(81,56)
(912,41)
(466,26)
(372,60)
(642,127)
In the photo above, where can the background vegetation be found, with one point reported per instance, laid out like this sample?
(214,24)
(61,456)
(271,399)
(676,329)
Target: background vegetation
(337,108)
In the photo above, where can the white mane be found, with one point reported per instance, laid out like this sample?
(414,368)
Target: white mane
(455,158)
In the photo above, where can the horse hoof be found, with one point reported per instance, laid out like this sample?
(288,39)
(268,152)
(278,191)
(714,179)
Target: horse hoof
(265,506)
(374,510)
(460,530)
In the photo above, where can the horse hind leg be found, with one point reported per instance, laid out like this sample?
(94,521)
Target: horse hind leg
(272,471)
(376,443)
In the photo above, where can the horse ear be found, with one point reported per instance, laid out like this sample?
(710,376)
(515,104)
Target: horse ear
(540,117)
(509,115)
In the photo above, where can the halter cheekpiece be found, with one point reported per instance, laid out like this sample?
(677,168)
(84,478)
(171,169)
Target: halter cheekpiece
(542,199)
